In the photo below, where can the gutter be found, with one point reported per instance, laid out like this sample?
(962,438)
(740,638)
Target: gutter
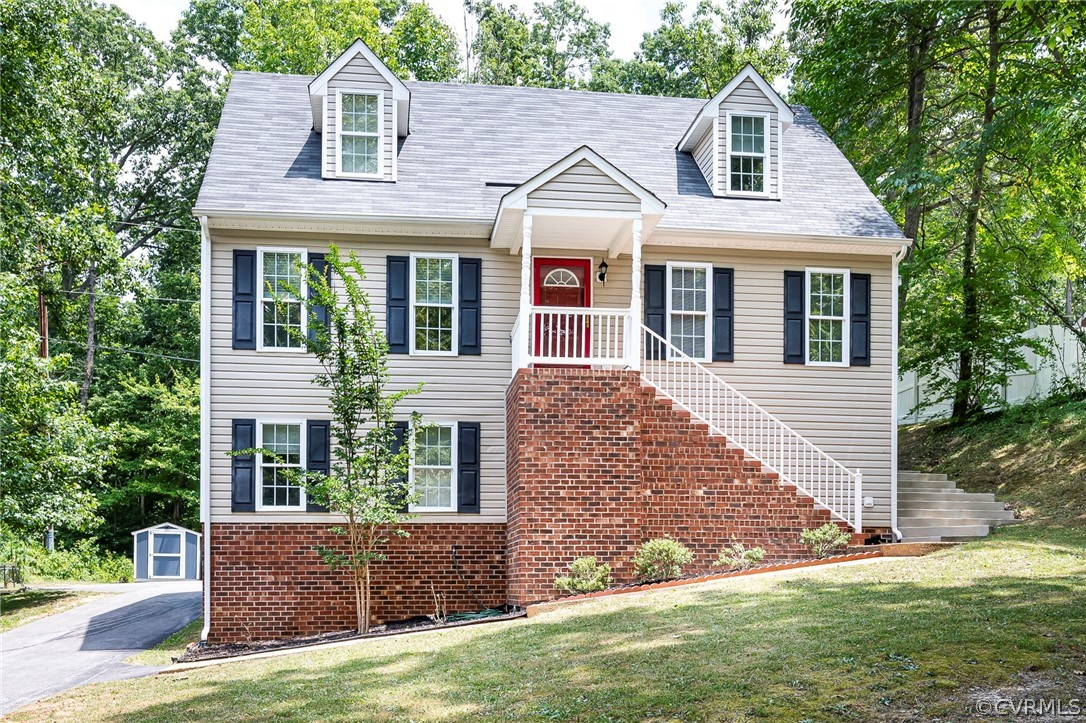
(205,415)
(894,288)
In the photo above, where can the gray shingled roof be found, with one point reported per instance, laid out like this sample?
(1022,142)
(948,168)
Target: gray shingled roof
(266,158)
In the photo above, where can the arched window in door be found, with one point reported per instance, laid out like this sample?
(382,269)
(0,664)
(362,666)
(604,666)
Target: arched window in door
(562,277)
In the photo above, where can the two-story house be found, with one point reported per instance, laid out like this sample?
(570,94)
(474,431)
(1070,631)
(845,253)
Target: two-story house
(633,316)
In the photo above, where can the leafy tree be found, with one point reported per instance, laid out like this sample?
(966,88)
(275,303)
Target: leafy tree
(956,115)
(52,452)
(368,482)
(557,46)
(697,58)
(303,36)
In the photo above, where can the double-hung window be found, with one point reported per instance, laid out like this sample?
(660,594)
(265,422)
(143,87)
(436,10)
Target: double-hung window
(359,136)
(434,292)
(433,469)
(282,284)
(748,150)
(827,325)
(284,442)
(688,296)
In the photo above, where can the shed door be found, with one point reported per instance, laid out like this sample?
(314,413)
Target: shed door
(166,554)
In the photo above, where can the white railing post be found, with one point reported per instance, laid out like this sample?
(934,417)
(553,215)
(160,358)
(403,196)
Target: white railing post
(526,290)
(859,484)
(633,338)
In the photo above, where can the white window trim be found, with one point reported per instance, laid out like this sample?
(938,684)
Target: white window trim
(151,555)
(708,268)
(380,174)
(454,349)
(455,469)
(766,131)
(259,311)
(845,322)
(259,481)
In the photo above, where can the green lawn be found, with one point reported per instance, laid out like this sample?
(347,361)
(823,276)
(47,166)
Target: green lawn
(18,607)
(902,638)
(170,648)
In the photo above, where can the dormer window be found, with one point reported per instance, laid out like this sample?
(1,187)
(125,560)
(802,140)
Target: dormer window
(747,153)
(359,135)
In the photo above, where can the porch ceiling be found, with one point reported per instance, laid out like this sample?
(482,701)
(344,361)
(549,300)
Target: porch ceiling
(611,235)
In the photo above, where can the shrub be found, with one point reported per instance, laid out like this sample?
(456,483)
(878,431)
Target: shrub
(737,557)
(824,540)
(661,559)
(82,561)
(585,575)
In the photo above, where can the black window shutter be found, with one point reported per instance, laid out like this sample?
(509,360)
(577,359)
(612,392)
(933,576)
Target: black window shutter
(655,306)
(723,314)
(468,471)
(318,453)
(243,466)
(471,309)
(319,313)
(396,304)
(399,432)
(244,336)
(860,320)
(795,331)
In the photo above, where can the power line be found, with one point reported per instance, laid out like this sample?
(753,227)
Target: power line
(146,224)
(129,351)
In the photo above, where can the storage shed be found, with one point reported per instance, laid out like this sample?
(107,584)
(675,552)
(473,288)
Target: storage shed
(166,552)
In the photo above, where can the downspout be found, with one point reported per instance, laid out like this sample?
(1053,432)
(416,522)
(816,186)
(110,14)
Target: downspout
(896,282)
(205,414)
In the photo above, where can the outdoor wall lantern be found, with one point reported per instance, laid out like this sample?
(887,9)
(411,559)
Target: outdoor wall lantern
(601,273)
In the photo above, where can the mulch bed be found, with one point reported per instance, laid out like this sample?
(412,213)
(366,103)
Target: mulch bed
(233,650)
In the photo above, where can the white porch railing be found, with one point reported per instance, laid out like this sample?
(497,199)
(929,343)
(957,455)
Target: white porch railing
(572,335)
(730,413)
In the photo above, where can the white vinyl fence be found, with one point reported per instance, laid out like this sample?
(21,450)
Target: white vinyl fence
(1034,383)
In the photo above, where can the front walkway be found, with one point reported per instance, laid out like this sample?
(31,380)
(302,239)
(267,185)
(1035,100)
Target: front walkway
(90,643)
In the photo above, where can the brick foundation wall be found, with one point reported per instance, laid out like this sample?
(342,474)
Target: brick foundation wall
(598,465)
(267,582)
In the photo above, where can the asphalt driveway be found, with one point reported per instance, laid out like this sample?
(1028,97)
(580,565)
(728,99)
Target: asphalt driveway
(89,643)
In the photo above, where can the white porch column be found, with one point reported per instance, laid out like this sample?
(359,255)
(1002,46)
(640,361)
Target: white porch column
(634,338)
(525,288)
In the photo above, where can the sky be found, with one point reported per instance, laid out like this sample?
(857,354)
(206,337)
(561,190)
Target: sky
(629,19)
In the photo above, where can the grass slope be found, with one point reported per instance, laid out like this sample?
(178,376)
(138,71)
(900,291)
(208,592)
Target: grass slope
(19,607)
(170,648)
(893,639)
(1033,457)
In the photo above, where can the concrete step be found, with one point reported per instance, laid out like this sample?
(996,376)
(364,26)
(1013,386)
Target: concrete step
(927,484)
(907,516)
(909,496)
(960,502)
(949,533)
(942,522)
(910,475)
(950,490)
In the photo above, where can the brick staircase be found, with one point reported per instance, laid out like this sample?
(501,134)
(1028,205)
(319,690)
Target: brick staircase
(931,508)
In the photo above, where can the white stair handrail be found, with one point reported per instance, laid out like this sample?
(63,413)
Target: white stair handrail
(731,414)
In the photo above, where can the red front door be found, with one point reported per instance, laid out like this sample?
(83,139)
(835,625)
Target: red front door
(562,283)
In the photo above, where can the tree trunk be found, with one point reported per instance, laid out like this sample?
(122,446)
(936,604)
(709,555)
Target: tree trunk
(88,370)
(967,397)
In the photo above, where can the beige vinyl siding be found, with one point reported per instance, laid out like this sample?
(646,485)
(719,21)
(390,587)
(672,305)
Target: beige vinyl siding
(278,386)
(747,98)
(584,186)
(359,75)
(703,156)
(843,410)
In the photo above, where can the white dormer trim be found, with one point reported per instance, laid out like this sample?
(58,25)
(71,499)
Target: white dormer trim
(380,174)
(767,154)
(318,87)
(710,109)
